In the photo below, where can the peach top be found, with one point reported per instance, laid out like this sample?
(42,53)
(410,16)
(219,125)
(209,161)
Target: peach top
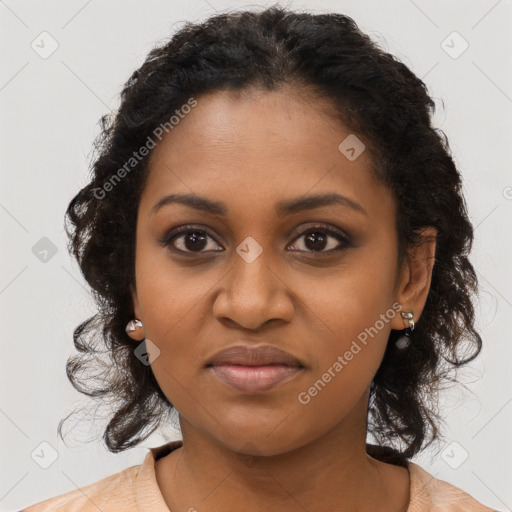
(136,489)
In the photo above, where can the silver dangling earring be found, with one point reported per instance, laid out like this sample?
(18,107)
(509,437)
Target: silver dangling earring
(404,340)
(133,325)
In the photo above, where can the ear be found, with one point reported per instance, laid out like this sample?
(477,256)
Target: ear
(135,300)
(138,334)
(415,278)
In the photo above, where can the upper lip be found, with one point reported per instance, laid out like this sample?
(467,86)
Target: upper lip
(253,356)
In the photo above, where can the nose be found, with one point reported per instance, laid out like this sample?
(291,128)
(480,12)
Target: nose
(252,294)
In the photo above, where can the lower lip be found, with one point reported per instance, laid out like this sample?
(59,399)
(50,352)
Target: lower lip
(255,379)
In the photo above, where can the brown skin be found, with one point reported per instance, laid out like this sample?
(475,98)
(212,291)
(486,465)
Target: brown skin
(268,451)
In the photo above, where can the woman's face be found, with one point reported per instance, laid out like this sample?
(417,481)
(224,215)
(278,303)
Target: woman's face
(272,263)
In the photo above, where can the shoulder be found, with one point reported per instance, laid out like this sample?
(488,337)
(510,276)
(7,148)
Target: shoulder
(429,494)
(118,489)
(134,488)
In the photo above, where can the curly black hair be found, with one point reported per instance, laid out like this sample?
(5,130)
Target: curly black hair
(378,98)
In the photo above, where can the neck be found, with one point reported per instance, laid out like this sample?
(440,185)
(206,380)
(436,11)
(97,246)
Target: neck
(333,472)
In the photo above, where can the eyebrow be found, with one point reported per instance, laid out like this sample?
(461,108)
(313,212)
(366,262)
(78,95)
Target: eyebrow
(284,207)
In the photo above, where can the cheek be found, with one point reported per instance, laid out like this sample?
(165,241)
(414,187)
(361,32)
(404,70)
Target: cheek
(170,294)
(174,310)
(345,363)
(173,320)
(348,319)
(347,299)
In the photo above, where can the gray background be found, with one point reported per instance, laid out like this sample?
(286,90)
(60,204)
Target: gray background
(49,113)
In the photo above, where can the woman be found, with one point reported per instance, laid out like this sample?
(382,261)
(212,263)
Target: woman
(278,243)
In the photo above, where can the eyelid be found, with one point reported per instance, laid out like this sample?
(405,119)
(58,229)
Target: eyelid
(343,238)
(175,232)
(321,226)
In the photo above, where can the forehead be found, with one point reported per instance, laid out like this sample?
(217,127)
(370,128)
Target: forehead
(256,146)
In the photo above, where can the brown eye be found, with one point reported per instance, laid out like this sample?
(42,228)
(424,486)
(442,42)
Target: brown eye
(317,240)
(321,240)
(190,240)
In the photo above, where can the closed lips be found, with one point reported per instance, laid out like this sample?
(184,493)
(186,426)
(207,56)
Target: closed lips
(249,369)
(262,355)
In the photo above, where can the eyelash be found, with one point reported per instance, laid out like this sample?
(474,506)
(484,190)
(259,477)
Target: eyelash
(343,239)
